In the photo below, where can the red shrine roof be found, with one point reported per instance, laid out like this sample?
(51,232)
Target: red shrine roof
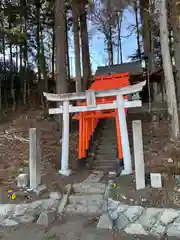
(112,81)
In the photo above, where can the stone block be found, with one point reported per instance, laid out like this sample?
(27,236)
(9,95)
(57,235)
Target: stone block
(138,155)
(55,195)
(112,175)
(46,218)
(63,203)
(156,180)
(40,189)
(22,180)
(105,222)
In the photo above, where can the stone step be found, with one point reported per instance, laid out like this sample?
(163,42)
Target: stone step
(91,199)
(89,188)
(105,168)
(108,152)
(84,210)
(105,163)
(103,156)
(108,138)
(107,144)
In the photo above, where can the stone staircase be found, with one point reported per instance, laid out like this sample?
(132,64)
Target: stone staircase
(106,150)
(87,197)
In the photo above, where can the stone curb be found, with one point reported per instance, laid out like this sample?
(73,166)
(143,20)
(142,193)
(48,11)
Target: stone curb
(64,200)
(13,214)
(136,220)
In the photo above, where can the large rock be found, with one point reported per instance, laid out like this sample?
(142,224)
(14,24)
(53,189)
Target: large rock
(168,216)
(6,209)
(121,222)
(25,219)
(20,209)
(133,212)
(105,222)
(89,188)
(135,228)
(173,229)
(8,222)
(158,229)
(46,218)
(112,205)
(150,217)
(114,214)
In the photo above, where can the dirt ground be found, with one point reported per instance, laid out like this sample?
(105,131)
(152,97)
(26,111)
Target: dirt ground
(161,155)
(14,153)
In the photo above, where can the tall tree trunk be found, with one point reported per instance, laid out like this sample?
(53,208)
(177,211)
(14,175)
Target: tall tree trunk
(4,60)
(75,14)
(25,57)
(12,71)
(67,50)
(176,43)
(85,48)
(38,27)
(147,31)
(110,47)
(169,79)
(137,30)
(53,52)
(60,38)
(119,45)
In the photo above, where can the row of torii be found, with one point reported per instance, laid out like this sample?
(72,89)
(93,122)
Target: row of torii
(90,96)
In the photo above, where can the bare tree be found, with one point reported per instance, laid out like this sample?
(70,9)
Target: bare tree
(106,18)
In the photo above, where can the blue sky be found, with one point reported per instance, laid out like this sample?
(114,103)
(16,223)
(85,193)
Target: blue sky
(97,52)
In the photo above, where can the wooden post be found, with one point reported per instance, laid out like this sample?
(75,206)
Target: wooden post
(65,141)
(124,136)
(34,158)
(138,155)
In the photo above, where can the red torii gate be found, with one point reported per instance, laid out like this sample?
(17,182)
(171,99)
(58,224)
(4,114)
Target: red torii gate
(92,97)
(88,120)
